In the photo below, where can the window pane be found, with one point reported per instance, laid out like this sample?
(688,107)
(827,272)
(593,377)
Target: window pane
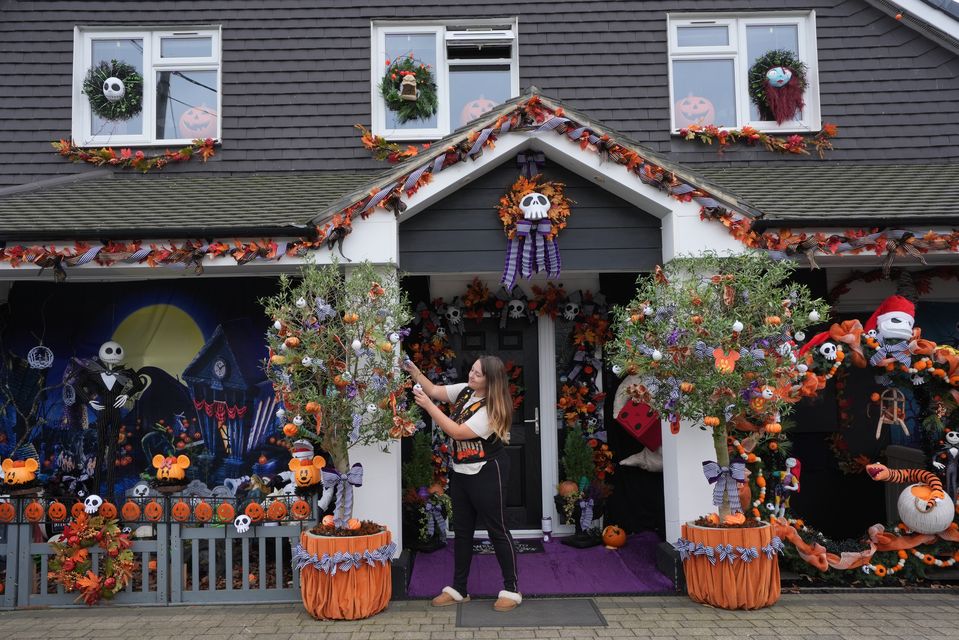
(422,46)
(702,36)
(476,90)
(186,105)
(704,92)
(130,52)
(186,47)
(761,39)
(497,51)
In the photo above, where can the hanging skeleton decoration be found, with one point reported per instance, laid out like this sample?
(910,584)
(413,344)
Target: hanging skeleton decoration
(512,305)
(534,247)
(453,314)
(106,386)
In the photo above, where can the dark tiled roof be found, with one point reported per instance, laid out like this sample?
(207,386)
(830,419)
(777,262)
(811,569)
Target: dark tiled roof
(845,194)
(160,206)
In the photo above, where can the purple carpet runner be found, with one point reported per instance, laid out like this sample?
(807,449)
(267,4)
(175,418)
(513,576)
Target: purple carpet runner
(560,570)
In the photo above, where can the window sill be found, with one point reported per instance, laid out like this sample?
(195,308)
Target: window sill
(139,144)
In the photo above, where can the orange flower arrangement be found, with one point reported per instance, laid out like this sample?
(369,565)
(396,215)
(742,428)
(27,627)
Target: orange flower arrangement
(510,213)
(71,565)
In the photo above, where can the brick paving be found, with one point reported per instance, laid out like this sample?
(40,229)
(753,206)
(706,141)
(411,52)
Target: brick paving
(836,616)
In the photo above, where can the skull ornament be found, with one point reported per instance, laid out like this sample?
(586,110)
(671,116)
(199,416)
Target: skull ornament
(828,351)
(113,89)
(570,310)
(516,309)
(242,523)
(111,353)
(440,332)
(141,490)
(91,504)
(454,315)
(872,333)
(535,206)
(952,438)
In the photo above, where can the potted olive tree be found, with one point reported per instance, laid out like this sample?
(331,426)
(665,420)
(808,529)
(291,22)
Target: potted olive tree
(713,340)
(333,363)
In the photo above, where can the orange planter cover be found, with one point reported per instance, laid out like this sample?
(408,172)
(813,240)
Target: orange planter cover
(346,595)
(739,585)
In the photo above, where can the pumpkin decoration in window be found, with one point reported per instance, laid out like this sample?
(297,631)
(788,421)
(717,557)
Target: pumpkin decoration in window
(34,511)
(19,474)
(255,512)
(7,512)
(474,109)
(225,512)
(153,511)
(614,537)
(180,511)
(108,510)
(301,509)
(307,472)
(57,511)
(198,123)
(277,511)
(777,82)
(694,110)
(203,512)
(130,511)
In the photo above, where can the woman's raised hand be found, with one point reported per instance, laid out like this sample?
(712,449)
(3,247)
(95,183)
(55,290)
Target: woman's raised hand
(409,367)
(421,398)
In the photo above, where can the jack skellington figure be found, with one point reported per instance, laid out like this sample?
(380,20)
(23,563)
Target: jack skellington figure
(106,386)
(949,453)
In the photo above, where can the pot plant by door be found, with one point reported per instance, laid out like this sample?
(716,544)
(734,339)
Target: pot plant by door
(333,346)
(713,340)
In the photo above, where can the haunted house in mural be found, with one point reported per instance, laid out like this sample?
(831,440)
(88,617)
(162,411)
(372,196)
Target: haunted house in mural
(234,401)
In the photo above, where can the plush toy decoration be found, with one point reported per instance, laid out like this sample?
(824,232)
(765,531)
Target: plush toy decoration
(170,468)
(19,472)
(949,453)
(893,320)
(923,506)
(788,484)
(306,473)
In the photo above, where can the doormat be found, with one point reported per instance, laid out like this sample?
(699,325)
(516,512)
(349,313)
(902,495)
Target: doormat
(485,547)
(563,612)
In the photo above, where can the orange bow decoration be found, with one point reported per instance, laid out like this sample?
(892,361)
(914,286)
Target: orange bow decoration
(849,332)
(921,346)
(950,357)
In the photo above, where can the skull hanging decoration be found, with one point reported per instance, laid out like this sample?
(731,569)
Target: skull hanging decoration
(512,306)
(828,351)
(516,309)
(532,214)
(570,311)
(113,89)
(453,314)
(242,523)
(92,503)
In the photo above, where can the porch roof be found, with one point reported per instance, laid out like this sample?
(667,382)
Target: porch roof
(845,195)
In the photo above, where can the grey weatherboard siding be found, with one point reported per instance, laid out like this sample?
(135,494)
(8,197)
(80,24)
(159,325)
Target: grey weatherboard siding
(462,232)
(296,77)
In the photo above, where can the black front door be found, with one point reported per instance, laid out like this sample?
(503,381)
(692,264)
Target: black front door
(516,344)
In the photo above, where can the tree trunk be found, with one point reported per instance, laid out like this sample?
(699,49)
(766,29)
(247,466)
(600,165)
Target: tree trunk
(722,459)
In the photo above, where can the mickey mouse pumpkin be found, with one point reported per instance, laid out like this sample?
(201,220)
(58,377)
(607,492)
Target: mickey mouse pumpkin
(307,472)
(170,469)
(19,472)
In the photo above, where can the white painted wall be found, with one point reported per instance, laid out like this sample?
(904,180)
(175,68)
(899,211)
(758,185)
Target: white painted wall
(379,497)
(686,491)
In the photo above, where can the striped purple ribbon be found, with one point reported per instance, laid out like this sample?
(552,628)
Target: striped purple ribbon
(530,251)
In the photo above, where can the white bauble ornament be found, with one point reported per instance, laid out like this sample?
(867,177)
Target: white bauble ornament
(280,413)
(277,325)
(394,337)
(357,345)
(300,303)
(738,326)
(307,361)
(801,368)
(617,369)
(814,316)
(800,336)
(657,355)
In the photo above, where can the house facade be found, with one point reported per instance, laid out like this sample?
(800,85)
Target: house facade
(599,96)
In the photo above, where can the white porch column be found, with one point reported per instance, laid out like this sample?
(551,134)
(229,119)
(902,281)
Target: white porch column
(687,493)
(379,497)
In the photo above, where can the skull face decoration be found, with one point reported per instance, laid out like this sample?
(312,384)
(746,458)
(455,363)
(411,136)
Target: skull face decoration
(570,311)
(828,351)
(111,353)
(516,309)
(535,206)
(242,523)
(92,503)
(114,89)
(454,315)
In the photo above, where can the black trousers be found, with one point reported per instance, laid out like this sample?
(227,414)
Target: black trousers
(482,494)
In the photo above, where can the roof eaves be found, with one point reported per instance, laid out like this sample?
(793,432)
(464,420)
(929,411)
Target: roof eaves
(922,26)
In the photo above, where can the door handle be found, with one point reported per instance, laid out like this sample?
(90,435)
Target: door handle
(535,420)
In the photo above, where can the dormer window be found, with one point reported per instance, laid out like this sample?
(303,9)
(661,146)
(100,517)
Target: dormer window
(180,74)
(475,66)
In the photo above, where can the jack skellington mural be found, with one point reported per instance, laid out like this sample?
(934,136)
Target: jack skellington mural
(106,386)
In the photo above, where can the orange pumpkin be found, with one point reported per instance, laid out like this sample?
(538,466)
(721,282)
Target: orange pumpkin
(203,512)
(328,521)
(567,488)
(130,511)
(7,512)
(180,511)
(108,510)
(613,537)
(77,509)
(19,471)
(153,511)
(475,108)
(198,122)
(353,524)
(290,429)
(225,512)
(254,511)
(301,509)
(694,110)
(34,511)
(57,511)
(306,472)
(277,511)
(292,343)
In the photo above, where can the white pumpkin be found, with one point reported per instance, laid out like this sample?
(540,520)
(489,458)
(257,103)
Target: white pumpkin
(916,514)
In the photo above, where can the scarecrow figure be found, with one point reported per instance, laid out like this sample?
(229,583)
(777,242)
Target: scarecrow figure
(107,386)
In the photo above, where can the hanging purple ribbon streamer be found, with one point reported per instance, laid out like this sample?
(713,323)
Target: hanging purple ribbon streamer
(530,163)
(530,251)
(585,514)
(380,195)
(344,483)
(435,520)
(725,479)
(898,351)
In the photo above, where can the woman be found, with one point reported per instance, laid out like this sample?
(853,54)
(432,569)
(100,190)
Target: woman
(478,426)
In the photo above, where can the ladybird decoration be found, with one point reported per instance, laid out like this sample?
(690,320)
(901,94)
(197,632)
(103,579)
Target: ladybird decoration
(277,511)
(34,511)
(130,511)
(614,537)
(301,509)
(108,510)
(225,512)
(180,511)
(153,511)
(255,512)
(203,512)
(57,511)
(7,512)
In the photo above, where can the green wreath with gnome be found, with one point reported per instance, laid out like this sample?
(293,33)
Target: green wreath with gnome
(409,89)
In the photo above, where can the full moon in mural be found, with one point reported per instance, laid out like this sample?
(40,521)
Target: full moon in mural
(159,335)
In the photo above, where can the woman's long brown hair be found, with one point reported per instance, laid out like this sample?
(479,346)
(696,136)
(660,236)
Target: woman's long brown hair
(499,403)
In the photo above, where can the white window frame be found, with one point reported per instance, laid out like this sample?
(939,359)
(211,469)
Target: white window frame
(380,29)
(736,51)
(83,38)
